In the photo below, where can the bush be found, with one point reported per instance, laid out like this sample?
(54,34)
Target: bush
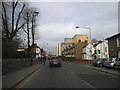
(9,48)
(22,54)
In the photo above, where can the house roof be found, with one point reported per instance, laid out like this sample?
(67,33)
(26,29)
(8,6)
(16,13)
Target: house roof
(116,35)
(97,43)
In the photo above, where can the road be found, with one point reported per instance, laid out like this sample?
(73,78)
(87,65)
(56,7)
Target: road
(70,75)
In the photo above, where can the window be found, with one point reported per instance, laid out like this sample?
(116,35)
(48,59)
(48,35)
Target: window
(79,40)
(95,52)
(118,42)
(98,51)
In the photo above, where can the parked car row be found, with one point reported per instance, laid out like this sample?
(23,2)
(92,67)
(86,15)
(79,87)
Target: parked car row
(107,62)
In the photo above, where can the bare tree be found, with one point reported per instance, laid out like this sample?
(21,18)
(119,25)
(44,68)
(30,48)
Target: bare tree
(34,14)
(11,21)
(30,19)
(27,20)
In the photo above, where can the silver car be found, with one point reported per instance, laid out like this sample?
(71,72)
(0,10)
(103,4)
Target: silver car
(111,62)
(99,62)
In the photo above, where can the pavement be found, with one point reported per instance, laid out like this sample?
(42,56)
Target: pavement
(10,80)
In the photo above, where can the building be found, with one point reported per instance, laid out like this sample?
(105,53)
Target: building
(77,38)
(114,45)
(88,51)
(58,50)
(68,49)
(96,50)
(61,48)
(35,51)
(100,50)
(72,47)
(78,51)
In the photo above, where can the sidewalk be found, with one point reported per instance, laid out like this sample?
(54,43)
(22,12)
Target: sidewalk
(11,79)
(102,69)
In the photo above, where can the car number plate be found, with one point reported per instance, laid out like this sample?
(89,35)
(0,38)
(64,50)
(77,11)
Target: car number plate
(55,63)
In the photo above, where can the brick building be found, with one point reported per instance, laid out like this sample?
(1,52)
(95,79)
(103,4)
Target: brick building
(114,45)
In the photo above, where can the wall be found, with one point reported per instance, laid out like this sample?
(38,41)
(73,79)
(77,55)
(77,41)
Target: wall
(79,50)
(112,44)
(103,47)
(10,65)
(86,51)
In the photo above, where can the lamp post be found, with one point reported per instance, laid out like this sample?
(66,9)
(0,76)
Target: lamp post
(90,38)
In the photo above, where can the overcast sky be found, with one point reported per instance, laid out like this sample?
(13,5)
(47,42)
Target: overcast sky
(57,20)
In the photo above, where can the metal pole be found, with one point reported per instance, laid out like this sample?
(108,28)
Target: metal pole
(90,43)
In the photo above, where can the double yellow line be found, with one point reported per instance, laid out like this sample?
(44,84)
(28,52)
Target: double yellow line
(26,80)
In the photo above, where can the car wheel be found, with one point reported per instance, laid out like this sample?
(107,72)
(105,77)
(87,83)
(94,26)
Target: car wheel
(115,67)
(50,66)
(101,65)
(60,65)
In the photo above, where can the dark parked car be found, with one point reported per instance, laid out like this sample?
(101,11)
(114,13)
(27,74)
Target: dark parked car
(55,61)
(99,62)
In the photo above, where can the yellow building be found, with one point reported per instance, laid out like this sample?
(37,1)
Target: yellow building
(76,48)
(77,38)
(79,50)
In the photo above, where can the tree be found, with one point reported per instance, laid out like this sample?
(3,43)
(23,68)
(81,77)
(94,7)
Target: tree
(11,20)
(30,19)
(11,24)
(27,20)
(34,14)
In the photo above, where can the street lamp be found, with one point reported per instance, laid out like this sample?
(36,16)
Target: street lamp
(90,38)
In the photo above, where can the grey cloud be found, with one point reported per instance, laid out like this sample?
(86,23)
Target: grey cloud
(57,20)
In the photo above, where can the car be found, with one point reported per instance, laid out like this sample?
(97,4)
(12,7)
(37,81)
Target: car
(55,61)
(99,62)
(112,63)
(117,66)
(95,62)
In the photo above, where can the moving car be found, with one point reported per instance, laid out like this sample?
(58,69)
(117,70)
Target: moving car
(112,62)
(99,62)
(55,61)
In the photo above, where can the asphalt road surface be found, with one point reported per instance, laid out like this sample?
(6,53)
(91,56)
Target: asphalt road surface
(70,75)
